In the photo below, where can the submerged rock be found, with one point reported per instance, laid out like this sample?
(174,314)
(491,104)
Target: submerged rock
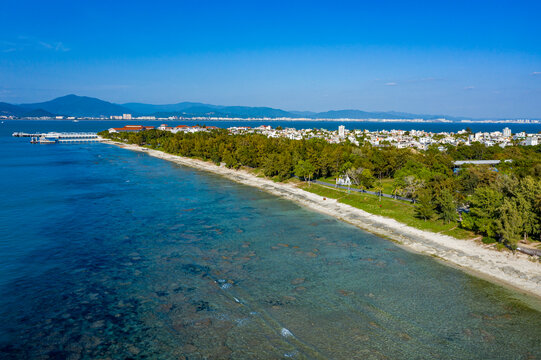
(203,323)
(345,292)
(189,348)
(97,324)
(202,306)
(133,350)
(166,307)
(404,336)
(195,269)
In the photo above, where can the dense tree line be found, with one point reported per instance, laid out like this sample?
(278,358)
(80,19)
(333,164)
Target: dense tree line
(502,204)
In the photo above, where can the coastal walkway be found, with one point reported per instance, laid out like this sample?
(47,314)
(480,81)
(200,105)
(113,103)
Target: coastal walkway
(522,249)
(396,197)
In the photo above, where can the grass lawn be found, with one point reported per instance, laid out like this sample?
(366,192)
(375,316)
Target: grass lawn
(330,179)
(387,184)
(401,211)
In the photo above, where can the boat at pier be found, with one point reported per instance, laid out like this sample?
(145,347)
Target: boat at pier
(43,140)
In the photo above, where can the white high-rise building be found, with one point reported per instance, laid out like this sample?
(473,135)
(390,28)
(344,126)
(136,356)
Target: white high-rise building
(531,141)
(506,132)
(126,116)
(342,131)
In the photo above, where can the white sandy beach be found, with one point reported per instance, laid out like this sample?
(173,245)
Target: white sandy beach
(517,270)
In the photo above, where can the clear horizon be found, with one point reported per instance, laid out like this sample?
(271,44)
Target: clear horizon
(306,111)
(475,60)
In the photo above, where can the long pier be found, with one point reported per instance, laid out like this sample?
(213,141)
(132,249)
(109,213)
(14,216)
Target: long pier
(60,137)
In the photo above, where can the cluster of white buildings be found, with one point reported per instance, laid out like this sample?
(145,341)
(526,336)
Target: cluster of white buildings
(418,139)
(130,117)
(185,128)
(298,134)
(422,139)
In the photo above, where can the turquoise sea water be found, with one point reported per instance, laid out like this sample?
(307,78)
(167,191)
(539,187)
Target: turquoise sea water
(106,253)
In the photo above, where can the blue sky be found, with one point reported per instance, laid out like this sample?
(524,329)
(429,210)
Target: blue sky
(471,58)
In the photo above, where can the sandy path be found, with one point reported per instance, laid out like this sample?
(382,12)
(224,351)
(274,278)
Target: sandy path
(517,270)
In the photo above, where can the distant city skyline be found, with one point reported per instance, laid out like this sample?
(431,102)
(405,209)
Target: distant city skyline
(480,59)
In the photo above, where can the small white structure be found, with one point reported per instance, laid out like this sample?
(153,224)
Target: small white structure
(126,116)
(343,180)
(507,132)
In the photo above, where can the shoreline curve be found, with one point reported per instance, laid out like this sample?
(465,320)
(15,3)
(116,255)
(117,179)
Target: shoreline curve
(516,271)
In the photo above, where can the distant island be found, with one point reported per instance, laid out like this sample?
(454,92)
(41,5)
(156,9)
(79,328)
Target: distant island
(83,107)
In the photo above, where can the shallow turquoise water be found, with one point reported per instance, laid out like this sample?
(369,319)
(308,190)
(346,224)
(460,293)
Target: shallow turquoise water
(109,253)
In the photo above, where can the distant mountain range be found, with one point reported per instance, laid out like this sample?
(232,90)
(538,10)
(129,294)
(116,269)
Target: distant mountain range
(18,111)
(73,105)
(83,106)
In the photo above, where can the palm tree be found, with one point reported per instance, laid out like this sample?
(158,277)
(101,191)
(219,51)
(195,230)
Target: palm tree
(378,187)
(397,190)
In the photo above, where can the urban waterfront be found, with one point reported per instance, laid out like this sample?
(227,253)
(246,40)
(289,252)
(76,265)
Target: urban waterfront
(109,253)
(95,126)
